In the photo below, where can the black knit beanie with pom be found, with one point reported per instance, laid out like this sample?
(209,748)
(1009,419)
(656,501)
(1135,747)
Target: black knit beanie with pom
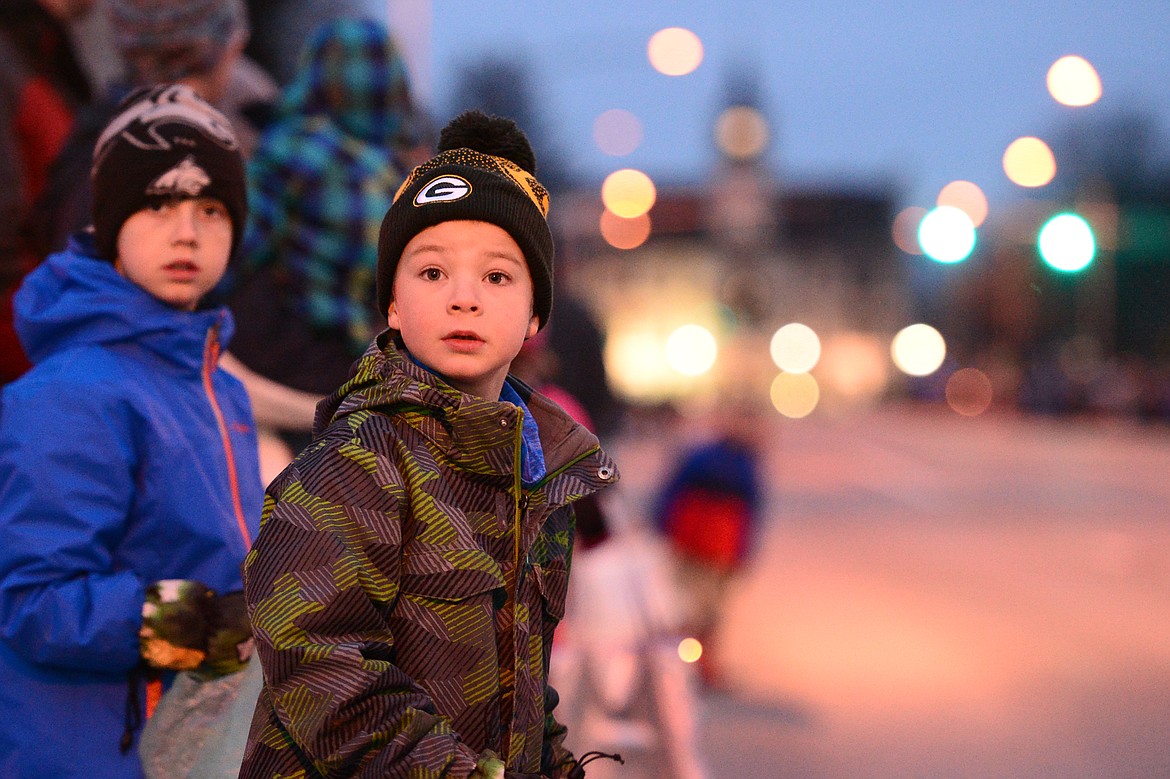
(485,171)
(165,142)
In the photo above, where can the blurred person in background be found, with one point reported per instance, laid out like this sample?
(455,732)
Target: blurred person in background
(343,134)
(42,85)
(708,510)
(577,343)
(615,661)
(623,686)
(129,481)
(283,27)
(197,43)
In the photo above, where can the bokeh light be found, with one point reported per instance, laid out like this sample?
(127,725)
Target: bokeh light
(621,233)
(690,650)
(918,350)
(741,132)
(795,395)
(1029,162)
(1073,81)
(946,234)
(635,361)
(854,366)
(906,229)
(969,392)
(967,197)
(675,51)
(1066,243)
(628,193)
(691,350)
(617,132)
(795,348)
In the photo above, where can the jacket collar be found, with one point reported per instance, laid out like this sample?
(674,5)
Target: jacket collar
(480,435)
(75,299)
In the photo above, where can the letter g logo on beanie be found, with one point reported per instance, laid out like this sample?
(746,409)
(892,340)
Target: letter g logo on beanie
(443,189)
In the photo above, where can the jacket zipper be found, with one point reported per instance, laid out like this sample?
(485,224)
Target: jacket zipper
(210,359)
(514,595)
(505,748)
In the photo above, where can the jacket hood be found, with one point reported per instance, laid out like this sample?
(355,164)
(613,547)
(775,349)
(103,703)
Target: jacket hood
(352,75)
(385,380)
(76,299)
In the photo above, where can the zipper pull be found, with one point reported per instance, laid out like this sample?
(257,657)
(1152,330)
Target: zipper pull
(211,347)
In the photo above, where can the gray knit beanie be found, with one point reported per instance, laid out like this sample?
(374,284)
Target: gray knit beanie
(165,40)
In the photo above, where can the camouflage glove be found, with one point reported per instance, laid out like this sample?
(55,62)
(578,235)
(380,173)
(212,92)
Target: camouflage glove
(175,625)
(229,640)
(187,627)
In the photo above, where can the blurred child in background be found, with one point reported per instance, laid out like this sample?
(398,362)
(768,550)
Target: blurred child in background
(708,510)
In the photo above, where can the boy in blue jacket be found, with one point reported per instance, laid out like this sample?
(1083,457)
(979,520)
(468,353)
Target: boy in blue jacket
(129,476)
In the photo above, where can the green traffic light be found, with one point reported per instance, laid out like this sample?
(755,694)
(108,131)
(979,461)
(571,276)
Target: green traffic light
(1066,243)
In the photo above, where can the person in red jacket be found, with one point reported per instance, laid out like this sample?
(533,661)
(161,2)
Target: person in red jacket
(709,511)
(41,86)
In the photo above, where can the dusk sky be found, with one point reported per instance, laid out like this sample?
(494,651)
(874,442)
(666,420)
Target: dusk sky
(910,94)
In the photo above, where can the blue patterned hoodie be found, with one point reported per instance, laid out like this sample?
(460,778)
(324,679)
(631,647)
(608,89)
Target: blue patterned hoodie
(323,176)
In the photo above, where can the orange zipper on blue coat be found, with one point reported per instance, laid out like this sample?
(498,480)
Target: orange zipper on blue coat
(210,360)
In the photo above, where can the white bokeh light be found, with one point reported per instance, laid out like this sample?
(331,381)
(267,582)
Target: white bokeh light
(918,350)
(691,350)
(1066,243)
(675,51)
(947,234)
(795,348)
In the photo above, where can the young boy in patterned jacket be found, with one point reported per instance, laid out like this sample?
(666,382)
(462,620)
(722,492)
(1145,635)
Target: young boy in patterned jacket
(413,561)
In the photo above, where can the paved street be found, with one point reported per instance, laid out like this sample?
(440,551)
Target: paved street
(940,596)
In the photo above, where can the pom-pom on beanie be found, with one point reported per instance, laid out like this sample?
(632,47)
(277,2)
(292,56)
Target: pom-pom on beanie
(165,142)
(485,171)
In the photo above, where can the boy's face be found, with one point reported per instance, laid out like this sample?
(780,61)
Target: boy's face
(177,250)
(463,303)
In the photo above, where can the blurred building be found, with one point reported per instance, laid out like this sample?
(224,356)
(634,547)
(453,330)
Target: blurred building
(740,255)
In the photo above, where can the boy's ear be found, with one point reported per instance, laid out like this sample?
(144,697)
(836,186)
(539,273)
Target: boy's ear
(392,316)
(533,327)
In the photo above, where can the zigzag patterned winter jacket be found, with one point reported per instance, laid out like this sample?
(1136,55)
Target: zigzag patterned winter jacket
(404,586)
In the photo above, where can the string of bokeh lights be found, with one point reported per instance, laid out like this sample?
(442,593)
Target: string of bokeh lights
(851,363)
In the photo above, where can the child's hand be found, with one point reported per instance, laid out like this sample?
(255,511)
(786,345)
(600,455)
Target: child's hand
(489,766)
(187,627)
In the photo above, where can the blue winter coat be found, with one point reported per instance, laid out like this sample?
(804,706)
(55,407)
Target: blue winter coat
(126,456)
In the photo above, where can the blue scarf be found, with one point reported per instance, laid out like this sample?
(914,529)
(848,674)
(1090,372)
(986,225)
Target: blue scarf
(531,455)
